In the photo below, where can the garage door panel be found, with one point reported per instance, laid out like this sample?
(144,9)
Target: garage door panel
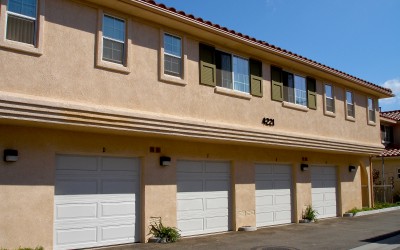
(265,218)
(115,164)
(273,194)
(220,223)
(191,225)
(69,163)
(282,216)
(76,187)
(317,197)
(264,200)
(216,167)
(263,184)
(216,203)
(280,184)
(190,167)
(118,232)
(76,236)
(190,204)
(117,209)
(118,186)
(282,199)
(76,211)
(264,169)
(216,185)
(190,186)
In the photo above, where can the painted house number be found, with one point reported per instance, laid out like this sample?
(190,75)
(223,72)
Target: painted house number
(268,122)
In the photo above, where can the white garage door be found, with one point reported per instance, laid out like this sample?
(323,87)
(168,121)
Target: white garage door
(203,197)
(273,194)
(323,183)
(96,201)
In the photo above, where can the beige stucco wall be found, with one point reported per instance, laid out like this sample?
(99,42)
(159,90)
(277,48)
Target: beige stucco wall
(66,72)
(27,186)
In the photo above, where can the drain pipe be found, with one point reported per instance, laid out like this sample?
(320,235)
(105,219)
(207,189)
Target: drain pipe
(371,184)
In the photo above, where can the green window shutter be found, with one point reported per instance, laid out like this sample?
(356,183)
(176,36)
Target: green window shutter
(207,65)
(256,79)
(276,84)
(311,93)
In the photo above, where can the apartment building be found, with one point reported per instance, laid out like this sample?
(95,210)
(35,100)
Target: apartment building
(118,113)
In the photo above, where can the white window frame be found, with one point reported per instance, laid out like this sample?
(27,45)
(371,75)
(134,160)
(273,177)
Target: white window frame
(232,55)
(124,68)
(181,80)
(37,47)
(333,99)
(294,105)
(369,118)
(115,40)
(295,88)
(171,55)
(346,103)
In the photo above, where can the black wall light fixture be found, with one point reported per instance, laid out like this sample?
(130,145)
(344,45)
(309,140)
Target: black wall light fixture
(10,155)
(304,167)
(352,168)
(165,161)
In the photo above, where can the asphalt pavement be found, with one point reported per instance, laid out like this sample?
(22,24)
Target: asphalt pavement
(370,232)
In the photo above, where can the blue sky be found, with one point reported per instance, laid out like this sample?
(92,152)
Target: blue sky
(359,37)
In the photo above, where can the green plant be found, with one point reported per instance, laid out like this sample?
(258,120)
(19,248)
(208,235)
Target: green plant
(170,234)
(310,214)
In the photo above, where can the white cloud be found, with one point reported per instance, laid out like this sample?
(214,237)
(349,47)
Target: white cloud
(392,103)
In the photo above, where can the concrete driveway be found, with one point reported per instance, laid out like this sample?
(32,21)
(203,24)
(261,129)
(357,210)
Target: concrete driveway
(378,231)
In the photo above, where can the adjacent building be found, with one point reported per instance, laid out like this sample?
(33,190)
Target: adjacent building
(387,164)
(116,114)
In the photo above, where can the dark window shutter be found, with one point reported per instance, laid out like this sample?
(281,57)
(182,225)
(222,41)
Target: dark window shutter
(207,65)
(256,79)
(311,93)
(276,84)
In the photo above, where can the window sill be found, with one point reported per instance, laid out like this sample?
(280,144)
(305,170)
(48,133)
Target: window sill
(21,47)
(295,106)
(330,114)
(113,67)
(230,92)
(350,118)
(371,123)
(173,79)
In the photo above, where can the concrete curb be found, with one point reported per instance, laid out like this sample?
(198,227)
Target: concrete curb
(377,211)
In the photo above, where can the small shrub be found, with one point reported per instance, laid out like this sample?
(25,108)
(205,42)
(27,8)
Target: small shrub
(170,234)
(310,213)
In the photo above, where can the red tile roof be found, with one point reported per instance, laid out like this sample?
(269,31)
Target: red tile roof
(272,47)
(393,115)
(391,152)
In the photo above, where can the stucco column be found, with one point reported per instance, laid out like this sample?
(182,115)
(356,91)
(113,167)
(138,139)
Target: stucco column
(350,188)
(302,184)
(158,193)
(243,194)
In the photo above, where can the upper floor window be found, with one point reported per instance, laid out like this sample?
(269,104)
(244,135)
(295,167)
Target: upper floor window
(295,90)
(329,99)
(230,71)
(350,104)
(371,110)
(113,39)
(22,21)
(387,134)
(172,55)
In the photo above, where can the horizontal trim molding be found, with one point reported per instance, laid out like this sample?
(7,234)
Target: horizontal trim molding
(31,108)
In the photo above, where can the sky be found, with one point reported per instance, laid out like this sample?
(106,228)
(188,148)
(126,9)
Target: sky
(359,37)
